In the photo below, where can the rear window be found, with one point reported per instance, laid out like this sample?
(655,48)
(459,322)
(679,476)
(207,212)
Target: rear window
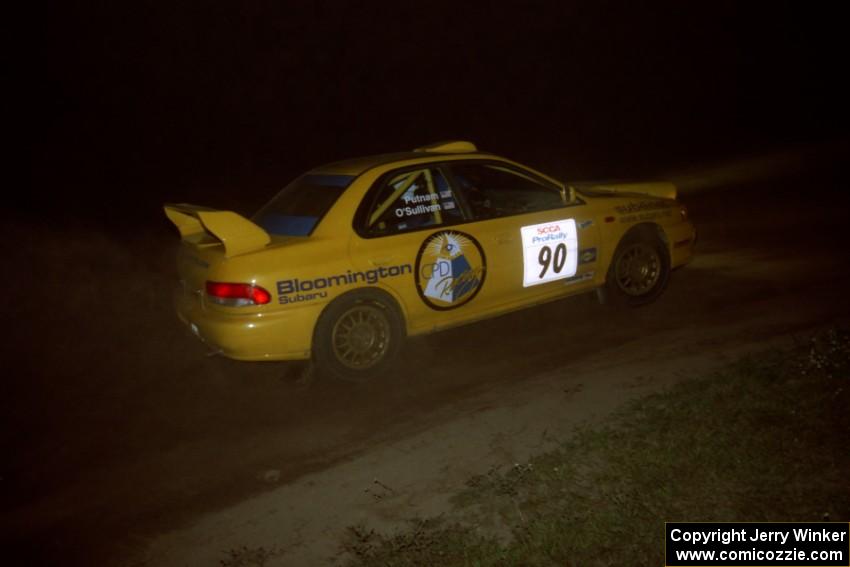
(299,207)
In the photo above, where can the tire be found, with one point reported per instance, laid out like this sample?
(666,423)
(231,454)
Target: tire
(358,336)
(639,270)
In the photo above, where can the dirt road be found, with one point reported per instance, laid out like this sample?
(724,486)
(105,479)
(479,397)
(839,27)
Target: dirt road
(128,445)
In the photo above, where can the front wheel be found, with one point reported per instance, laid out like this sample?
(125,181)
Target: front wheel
(639,270)
(358,336)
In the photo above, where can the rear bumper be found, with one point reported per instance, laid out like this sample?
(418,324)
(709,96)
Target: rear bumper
(284,334)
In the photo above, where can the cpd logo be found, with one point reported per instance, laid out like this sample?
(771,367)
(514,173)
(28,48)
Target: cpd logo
(450,269)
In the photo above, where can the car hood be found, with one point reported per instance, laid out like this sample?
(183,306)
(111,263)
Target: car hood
(658,189)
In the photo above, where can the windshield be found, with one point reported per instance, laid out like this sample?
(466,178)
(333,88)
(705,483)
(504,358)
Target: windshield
(297,209)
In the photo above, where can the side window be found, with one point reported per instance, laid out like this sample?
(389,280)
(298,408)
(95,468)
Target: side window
(414,199)
(493,190)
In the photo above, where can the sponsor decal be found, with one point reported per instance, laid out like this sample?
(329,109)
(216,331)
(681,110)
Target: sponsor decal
(549,251)
(450,269)
(639,206)
(297,290)
(650,215)
(299,297)
(579,278)
(587,256)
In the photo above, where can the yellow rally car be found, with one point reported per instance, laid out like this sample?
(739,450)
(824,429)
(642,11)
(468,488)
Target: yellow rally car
(352,257)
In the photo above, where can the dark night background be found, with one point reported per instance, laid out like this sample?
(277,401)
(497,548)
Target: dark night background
(119,425)
(221,104)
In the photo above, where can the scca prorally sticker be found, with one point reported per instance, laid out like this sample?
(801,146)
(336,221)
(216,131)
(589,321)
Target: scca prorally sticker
(450,269)
(549,251)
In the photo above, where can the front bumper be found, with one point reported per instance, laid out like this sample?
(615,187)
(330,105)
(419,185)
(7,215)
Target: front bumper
(682,238)
(282,334)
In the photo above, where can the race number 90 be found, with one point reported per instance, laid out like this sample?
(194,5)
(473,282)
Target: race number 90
(550,251)
(545,259)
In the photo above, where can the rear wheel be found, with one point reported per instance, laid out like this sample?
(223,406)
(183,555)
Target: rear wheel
(358,336)
(639,270)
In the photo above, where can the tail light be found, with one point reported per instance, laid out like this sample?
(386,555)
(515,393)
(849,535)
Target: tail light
(237,294)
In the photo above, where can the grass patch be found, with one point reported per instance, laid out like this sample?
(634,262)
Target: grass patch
(765,439)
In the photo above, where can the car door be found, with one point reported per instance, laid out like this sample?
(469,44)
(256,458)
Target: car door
(412,225)
(542,244)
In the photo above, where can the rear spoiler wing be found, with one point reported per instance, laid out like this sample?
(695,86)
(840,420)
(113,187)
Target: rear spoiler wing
(236,233)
